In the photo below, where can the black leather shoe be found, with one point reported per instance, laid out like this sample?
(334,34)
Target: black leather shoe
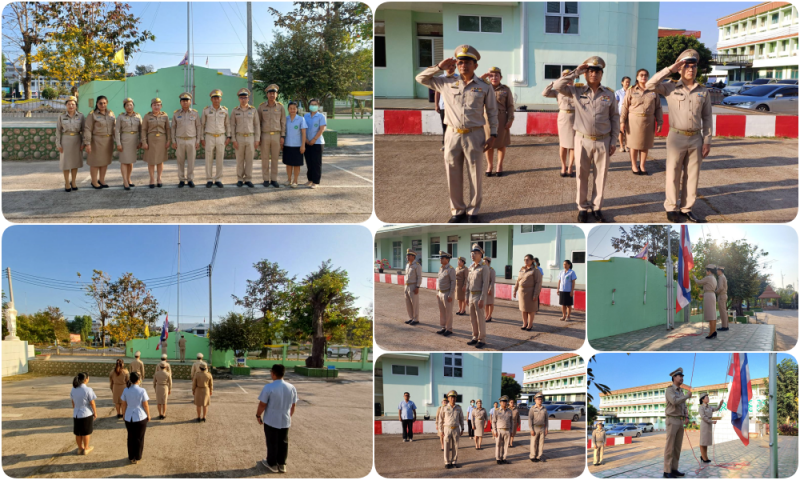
(440,332)
(472,342)
(126,188)
(266,183)
(480,345)
(159,185)
(713,335)
(457,218)
(249,184)
(103,185)
(669,475)
(74,187)
(598,216)
(692,218)
(152,185)
(473,219)
(674,217)
(219,184)
(489,174)
(533,459)
(209,184)
(409,321)
(724,329)
(191,184)
(181,184)
(67,189)
(499,462)
(447,333)
(498,174)
(131,185)
(488,319)
(678,474)
(239,183)
(275,184)
(448,466)
(97,188)
(583,216)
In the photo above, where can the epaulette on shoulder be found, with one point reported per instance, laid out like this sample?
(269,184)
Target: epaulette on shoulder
(673,80)
(579,85)
(176,110)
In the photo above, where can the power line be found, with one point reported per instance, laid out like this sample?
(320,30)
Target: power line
(231,24)
(216,245)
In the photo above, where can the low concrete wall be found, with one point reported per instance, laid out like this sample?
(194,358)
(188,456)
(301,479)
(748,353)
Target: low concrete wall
(99,370)
(15,357)
(394,427)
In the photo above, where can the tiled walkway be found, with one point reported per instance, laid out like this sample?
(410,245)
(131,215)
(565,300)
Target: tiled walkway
(757,454)
(691,337)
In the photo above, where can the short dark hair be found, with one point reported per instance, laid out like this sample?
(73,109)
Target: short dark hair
(531,257)
(624,78)
(79,379)
(290,104)
(570,263)
(406,393)
(313,100)
(279,370)
(642,70)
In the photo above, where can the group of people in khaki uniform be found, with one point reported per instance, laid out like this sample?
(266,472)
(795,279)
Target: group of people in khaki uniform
(715,293)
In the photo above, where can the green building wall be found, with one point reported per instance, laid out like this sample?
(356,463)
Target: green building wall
(194,345)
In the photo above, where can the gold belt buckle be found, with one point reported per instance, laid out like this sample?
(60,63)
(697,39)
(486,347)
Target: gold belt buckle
(246,134)
(474,292)
(461,130)
(158,134)
(215,134)
(132,133)
(72,134)
(452,428)
(272,133)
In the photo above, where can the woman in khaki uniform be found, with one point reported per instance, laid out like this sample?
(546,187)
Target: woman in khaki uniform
(162,382)
(461,286)
(69,141)
(505,118)
(709,284)
(202,389)
(489,309)
(566,129)
(527,288)
(640,115)
(155,140)
(98,136)
(119,381)
(128,135)
(512,404)
(479,419)
(706,411)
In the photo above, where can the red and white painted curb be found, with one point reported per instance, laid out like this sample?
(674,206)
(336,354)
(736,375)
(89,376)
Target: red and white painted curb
(394,427)
(504,291)
(611,441)
(427,122)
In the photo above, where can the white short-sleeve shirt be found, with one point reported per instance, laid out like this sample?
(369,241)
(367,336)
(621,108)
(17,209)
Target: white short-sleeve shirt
(82,397)
(134,396)
(279,397)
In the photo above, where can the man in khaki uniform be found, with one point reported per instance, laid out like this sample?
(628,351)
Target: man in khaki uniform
(439,431)
(689,137)
(677,417)
(413,279)
(182,348)
(216,134)
(502,425)
(186,129)
(445,293)
(273,132)
(537,422)
(722,298)
(196,365)
(451,423)
(245,129)
(596,132)
(165,364)
(477,293)
(137,365)
(164,346)
(465,98)
(598,443)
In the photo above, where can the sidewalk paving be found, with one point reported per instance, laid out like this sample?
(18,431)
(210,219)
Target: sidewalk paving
(740,338)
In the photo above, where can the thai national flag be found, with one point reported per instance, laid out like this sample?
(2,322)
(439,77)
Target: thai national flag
(740,395)
(685,265)
(185,60)
(643,254)
(164,332)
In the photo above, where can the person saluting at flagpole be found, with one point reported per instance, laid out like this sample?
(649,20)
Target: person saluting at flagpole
(677,418)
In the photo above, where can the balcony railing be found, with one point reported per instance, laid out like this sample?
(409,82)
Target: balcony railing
(731,60)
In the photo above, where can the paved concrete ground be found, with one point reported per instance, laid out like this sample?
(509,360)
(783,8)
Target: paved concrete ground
(691,337)
(423,458)
(785,322)
(502,333)
(650,446)
(330,433)
(619,464)
(743,180)
(33,191)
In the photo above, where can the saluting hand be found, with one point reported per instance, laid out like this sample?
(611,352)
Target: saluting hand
(676,67)
(582,68)
(447,63)
(706,150)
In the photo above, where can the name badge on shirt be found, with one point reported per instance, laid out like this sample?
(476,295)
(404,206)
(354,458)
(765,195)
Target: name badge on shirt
(605,99)
(178,116)
(701,95)
(477,89)
(296,127)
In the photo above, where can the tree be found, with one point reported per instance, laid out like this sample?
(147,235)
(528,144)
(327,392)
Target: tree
(591,415)
(604,389)
(144,69)
(635,237)
(510,388)
(786,394)
(23,32)
(49,93)
(269,296)
(97,291)
(237,332)
(124,327)
(43,326)
(81,324)
(742,267)
(670,47)
(129,297)
(82,38)
(3,70)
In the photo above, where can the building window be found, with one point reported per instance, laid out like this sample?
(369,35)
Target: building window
(553,72)
(397,254)
(453,366)
(416,246)
(561,18)
(459,398)
(452,245)
(380,44)
(531,228)
(405,370)
(775,18)
(435,247)
(480,24)
(578,257)
(487,241)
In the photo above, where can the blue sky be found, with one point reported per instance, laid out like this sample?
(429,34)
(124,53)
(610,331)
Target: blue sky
(780,241)
(513,362)
(59,252)
(620,370)
(703,17)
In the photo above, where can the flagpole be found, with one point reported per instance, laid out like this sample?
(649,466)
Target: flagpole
(670,312)
(773,415)
(179,288)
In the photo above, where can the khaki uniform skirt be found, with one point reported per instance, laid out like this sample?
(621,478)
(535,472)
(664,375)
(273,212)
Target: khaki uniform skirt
(566,129)
(202,386)
(706,412)
(129,141)
(479,422)
(102,151)
(492,286)
(99,129)
(461,282)
(72,156)
(528,286)
(118,384)
(156,154)
(641,110)
(709,306)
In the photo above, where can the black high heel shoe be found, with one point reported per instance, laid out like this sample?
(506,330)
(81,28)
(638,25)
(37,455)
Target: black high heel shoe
(713,335)
(67,189)
(103,185)
(96,188)
(74,187)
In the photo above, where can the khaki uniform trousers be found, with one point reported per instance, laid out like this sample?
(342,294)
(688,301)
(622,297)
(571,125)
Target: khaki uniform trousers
(186,153)
(461,149)
(537,441)
(270,146)
(722,300)
(590,153)
(477,316)
(451,435)
(244,158)
(501,443)
(684,158)
(672,447)
(215,150)
(412,302)
(183,354)
(598,454)
(445,310)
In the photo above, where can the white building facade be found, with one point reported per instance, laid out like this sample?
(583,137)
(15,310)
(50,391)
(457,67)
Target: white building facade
(559,378)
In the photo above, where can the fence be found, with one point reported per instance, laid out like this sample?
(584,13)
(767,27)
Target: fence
(299,352)
(79,349)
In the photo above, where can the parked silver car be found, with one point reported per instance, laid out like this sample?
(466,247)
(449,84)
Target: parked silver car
(646,427)
(732,88)
(628,431)
(563,412)
(766,98)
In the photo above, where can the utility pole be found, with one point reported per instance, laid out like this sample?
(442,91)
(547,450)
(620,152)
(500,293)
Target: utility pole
(250,49)
(178,325)
(210,318)
(188,44)
(773,415)
(11,312)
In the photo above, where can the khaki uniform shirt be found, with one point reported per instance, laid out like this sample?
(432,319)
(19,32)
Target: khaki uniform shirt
(127,124)
(478,280)
(689,109)
(186,124)
(168,369)
(537,416)
(182,344)
(596,113)
(162,378)
(722,285)
(69,125)
(273,119)
(676,402)
(709,283)
(245,121)
(138,367)
(156,125)
(503,419)
(413,274)
(505,102)
(215,121)
(564,102)
(464,102)
(451,418)
(196,367)
(639,102)
(598,438)
(98,124)
(446,281)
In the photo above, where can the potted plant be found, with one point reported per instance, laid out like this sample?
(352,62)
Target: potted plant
(382,264)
